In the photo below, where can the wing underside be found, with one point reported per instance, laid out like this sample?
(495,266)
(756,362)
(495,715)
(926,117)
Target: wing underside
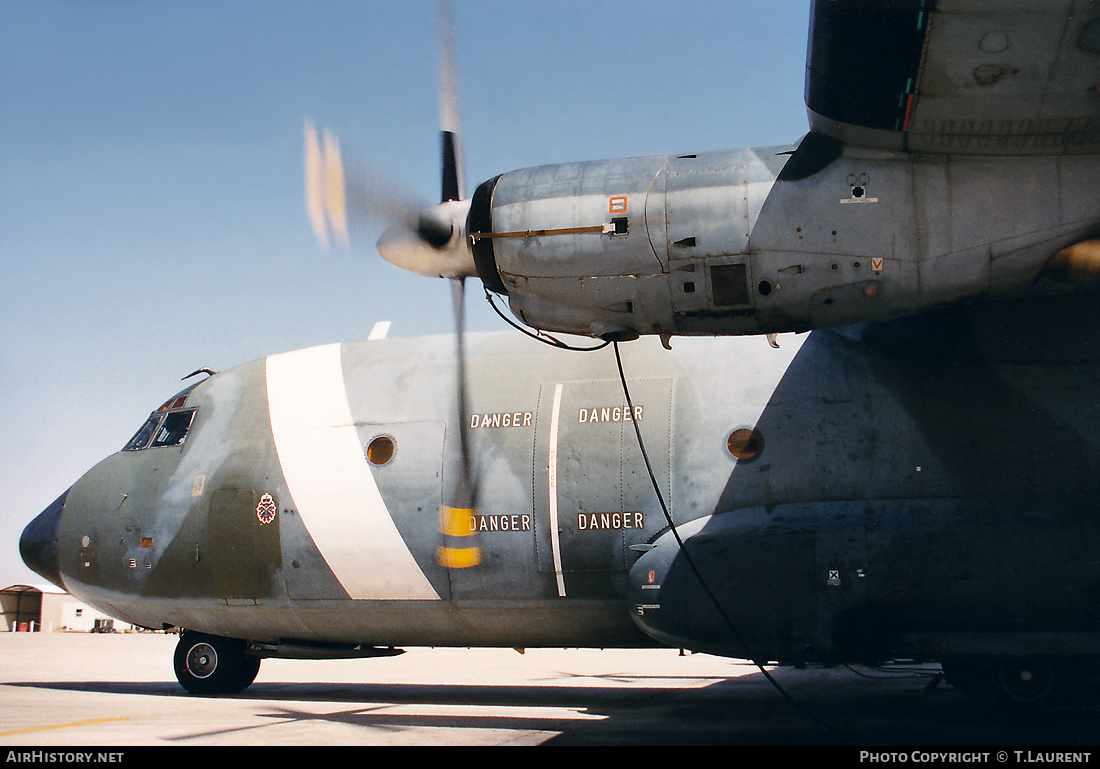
(1017,77)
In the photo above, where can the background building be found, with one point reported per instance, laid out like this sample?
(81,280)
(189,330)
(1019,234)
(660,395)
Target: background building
(28,608)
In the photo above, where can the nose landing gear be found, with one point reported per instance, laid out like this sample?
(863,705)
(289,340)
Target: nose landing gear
(1020,680)
(207,664)
(1026,680)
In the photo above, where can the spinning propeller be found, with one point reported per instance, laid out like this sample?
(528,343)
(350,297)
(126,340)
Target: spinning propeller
(426,240)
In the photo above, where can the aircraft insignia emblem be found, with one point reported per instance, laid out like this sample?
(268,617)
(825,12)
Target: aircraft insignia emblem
(265,511)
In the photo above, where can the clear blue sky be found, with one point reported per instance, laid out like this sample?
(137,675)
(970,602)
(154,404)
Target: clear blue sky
(151,205)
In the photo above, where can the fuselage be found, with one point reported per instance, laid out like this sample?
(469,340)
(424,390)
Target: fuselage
(173,534)
(894,489)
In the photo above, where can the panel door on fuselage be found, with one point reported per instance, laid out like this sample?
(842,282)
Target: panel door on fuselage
(407,461)
(593,495)
(244,543)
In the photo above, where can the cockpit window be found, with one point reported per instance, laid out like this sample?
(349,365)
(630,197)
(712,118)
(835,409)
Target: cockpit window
(174,428)
(167,426)
(143,436)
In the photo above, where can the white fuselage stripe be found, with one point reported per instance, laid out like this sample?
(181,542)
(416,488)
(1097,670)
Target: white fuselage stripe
(552,473)
(327,475)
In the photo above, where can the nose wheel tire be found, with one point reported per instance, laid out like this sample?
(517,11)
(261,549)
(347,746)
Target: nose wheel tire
(1023,680)
(207,664)
(1027,681)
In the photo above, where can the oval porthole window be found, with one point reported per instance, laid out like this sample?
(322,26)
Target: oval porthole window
(380,450)
(745,443)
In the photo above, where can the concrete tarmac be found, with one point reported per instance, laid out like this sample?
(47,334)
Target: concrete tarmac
(75,689)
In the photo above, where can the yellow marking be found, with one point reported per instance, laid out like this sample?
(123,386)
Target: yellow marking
(457,522)
(458,558)
(89,722)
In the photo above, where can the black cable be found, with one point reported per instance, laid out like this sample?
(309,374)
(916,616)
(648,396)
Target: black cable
(539,336)
(691,563)
(546,339)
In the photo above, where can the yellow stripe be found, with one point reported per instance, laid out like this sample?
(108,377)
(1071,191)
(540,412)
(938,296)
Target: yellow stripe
(458,558)
(456,522)
(89,722)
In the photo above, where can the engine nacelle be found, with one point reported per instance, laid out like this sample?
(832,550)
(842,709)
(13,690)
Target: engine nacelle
(767,240)
(620,248)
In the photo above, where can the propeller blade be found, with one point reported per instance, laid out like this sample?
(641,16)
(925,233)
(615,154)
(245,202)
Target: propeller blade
(315,184)
(425,240)
(459,549)
(436,246)
(452,189)
(342,190)
(326,201)
(450,113)
(336,204)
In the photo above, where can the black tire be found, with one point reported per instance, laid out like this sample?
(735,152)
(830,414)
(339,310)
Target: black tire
(1028,681)
(1023,681)
(208,664)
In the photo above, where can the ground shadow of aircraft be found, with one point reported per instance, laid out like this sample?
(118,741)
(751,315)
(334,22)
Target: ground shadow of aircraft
(894,709)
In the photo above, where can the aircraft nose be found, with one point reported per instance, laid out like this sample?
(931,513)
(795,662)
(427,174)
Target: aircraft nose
(38,543)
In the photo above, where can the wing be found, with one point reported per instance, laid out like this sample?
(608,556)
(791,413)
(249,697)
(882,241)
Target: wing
(1019,77)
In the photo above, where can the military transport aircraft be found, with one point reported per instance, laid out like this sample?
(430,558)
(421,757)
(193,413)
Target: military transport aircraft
(915,479)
